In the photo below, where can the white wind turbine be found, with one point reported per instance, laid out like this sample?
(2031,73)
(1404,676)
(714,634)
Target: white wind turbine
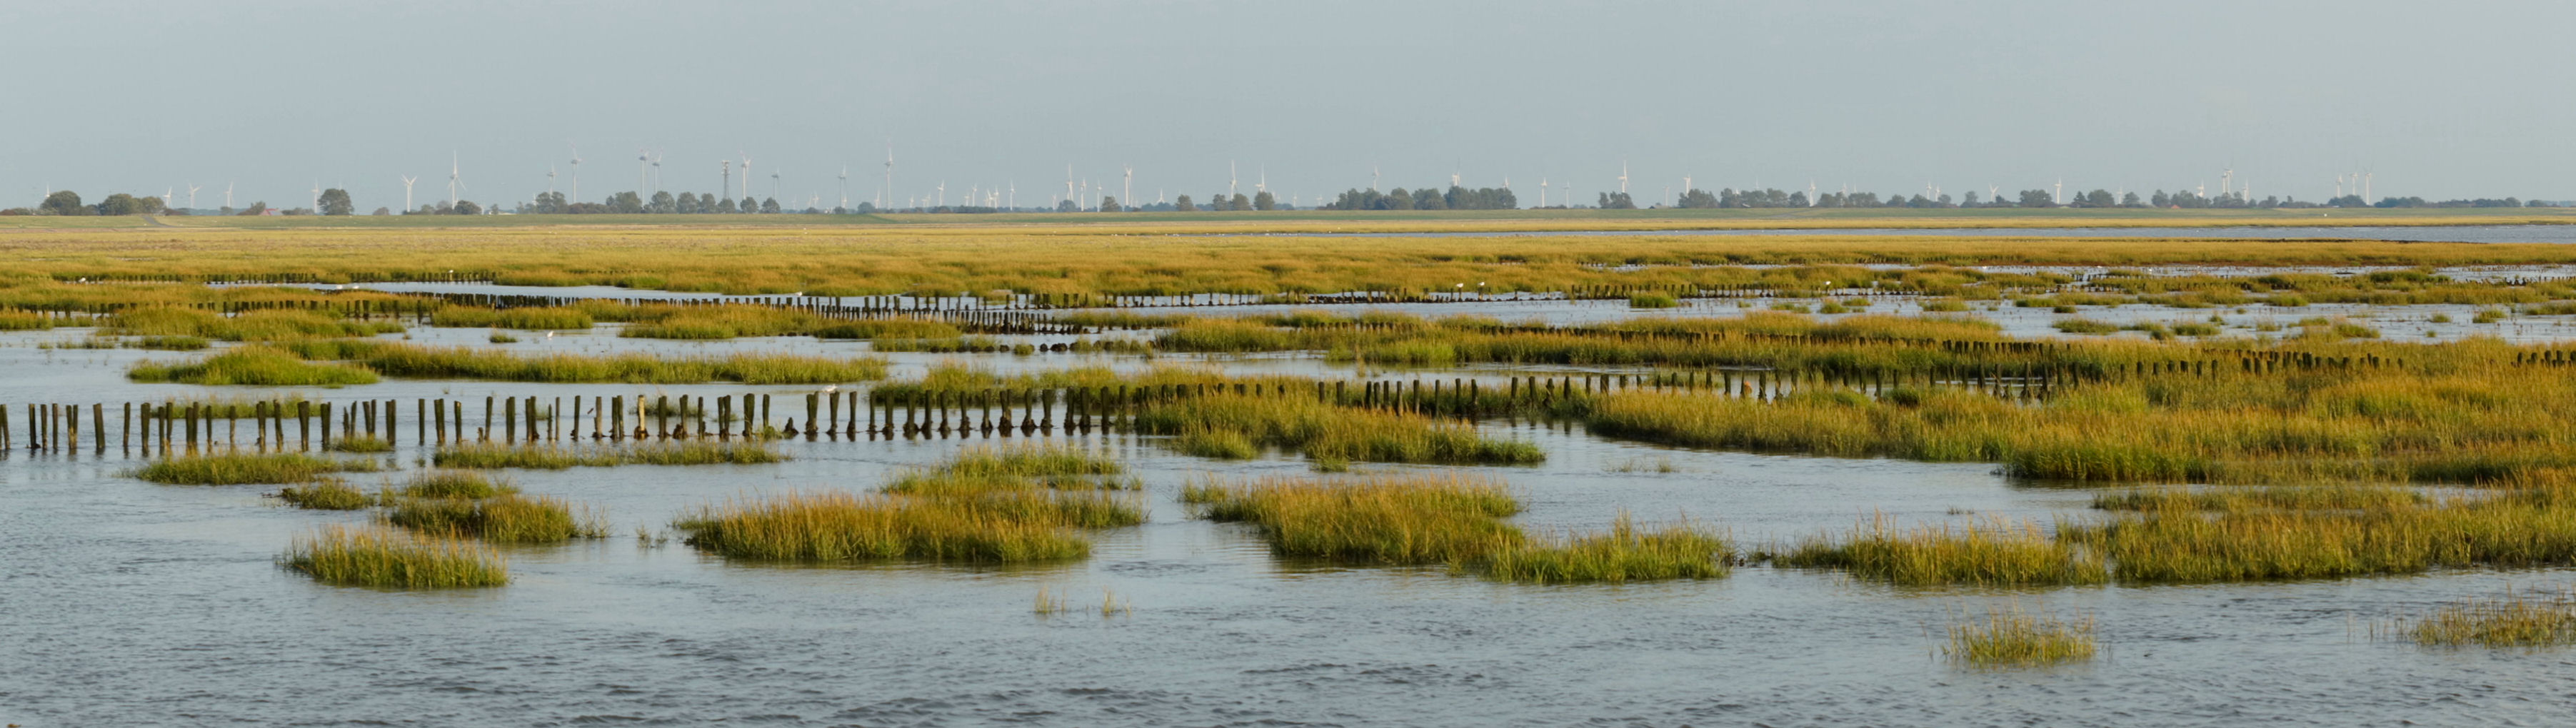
(407,180)
(773,184)
(1542,190)
(317,197)
(845,187)
(643,164)
(1127,188)
(1068,188)
(576,174)
(943,193)
(550,180)
(1373,175)
(228,194)
(657,172)
(455,181)
(192,195)
(746,176)
(885,194)
(1230,181)
(1014,201)
(1623,176)
(725,168)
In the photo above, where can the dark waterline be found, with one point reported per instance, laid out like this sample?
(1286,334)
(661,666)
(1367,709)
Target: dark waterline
(2563,234)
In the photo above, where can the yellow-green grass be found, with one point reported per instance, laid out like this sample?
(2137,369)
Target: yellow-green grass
(325,494)
(1108,258)
(1379,519)
(1325,431)
(387,558)
(429,362)
(1623,553)
(1044,484)
(506,518)
(1993,554)
(465,484)
(261,325)
(2518,620)
(168,343)
(844,527)
(2452,415)
(2248,498)
(526,319)
(25,321)
(2013,638)
(2511,529)
(557,457)
(360,444)
(235,468)
(253,366)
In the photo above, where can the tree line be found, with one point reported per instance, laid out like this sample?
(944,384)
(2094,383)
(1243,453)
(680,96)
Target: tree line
(1454,198)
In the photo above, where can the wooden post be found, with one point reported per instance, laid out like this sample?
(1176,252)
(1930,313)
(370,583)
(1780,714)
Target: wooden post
(438,418)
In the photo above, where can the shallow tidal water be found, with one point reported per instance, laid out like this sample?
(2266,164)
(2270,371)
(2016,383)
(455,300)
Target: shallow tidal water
(127,603)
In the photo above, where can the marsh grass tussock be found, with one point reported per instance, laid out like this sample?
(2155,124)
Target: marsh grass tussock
(388,558)
(2515,620)
(507,518)
(360,444)
(252,365)
(558,457)
(1990,554)
(325,494)
(1625,552)
(2010,637)
(450,484)
(1378,519)
(459,362)
(1026,503)
(2352,496)
(234,468)
(1321,430)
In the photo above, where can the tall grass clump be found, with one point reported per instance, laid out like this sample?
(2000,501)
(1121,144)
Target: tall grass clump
(360,444)
(263,325)
(1322,431)
(2514,620)
(1995,554)
(233,468)
(1382,519)
(556,457)
(525,319)
(509,518)
(2013,638)
(25,321)
(2250,498)
(1043,484)
(1652,300)
(386,558)
(459,362)
(325,494)
(464,484)
(252,365)
(1623,553)
(842,527)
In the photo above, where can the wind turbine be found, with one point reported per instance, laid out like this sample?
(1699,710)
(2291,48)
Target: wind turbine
(1230,181)
(943,193)
(2365,187)
(550,179)
(1127,189)
(725,167)
(845,187)
(1542,190)
(643,163)
(2338,185)
(888,190)
(228,194)
(576,174)
(1014,201)
(455,181)
(657,171)
(192,196)
(407,180)
(746,176)
(1373,175)
(1068,188)
(317,197)
(773,184)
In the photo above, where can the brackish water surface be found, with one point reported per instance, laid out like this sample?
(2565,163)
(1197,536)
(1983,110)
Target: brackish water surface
(127,603)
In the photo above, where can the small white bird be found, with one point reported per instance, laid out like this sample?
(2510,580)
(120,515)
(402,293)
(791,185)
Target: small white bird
(832,389)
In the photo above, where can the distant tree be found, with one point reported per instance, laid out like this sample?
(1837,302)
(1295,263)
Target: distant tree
(663,204)
(335,201)
(64,202)
(2129,200)
(1108,203)
(1696,198)
(748,206)
(2037,198)
(254,210)
(1617,201)
(1184,205)
(723,206)
(1265,201)
(688,204)
(1429,199)
(1240,202)
(1067,206)
(118,204)
(625,203)
(769,206)
(467,207)
(382,211)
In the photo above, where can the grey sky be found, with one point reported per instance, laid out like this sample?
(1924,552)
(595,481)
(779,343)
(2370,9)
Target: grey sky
(2437,99)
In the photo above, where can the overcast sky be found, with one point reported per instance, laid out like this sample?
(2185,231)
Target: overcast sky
(2436,99)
